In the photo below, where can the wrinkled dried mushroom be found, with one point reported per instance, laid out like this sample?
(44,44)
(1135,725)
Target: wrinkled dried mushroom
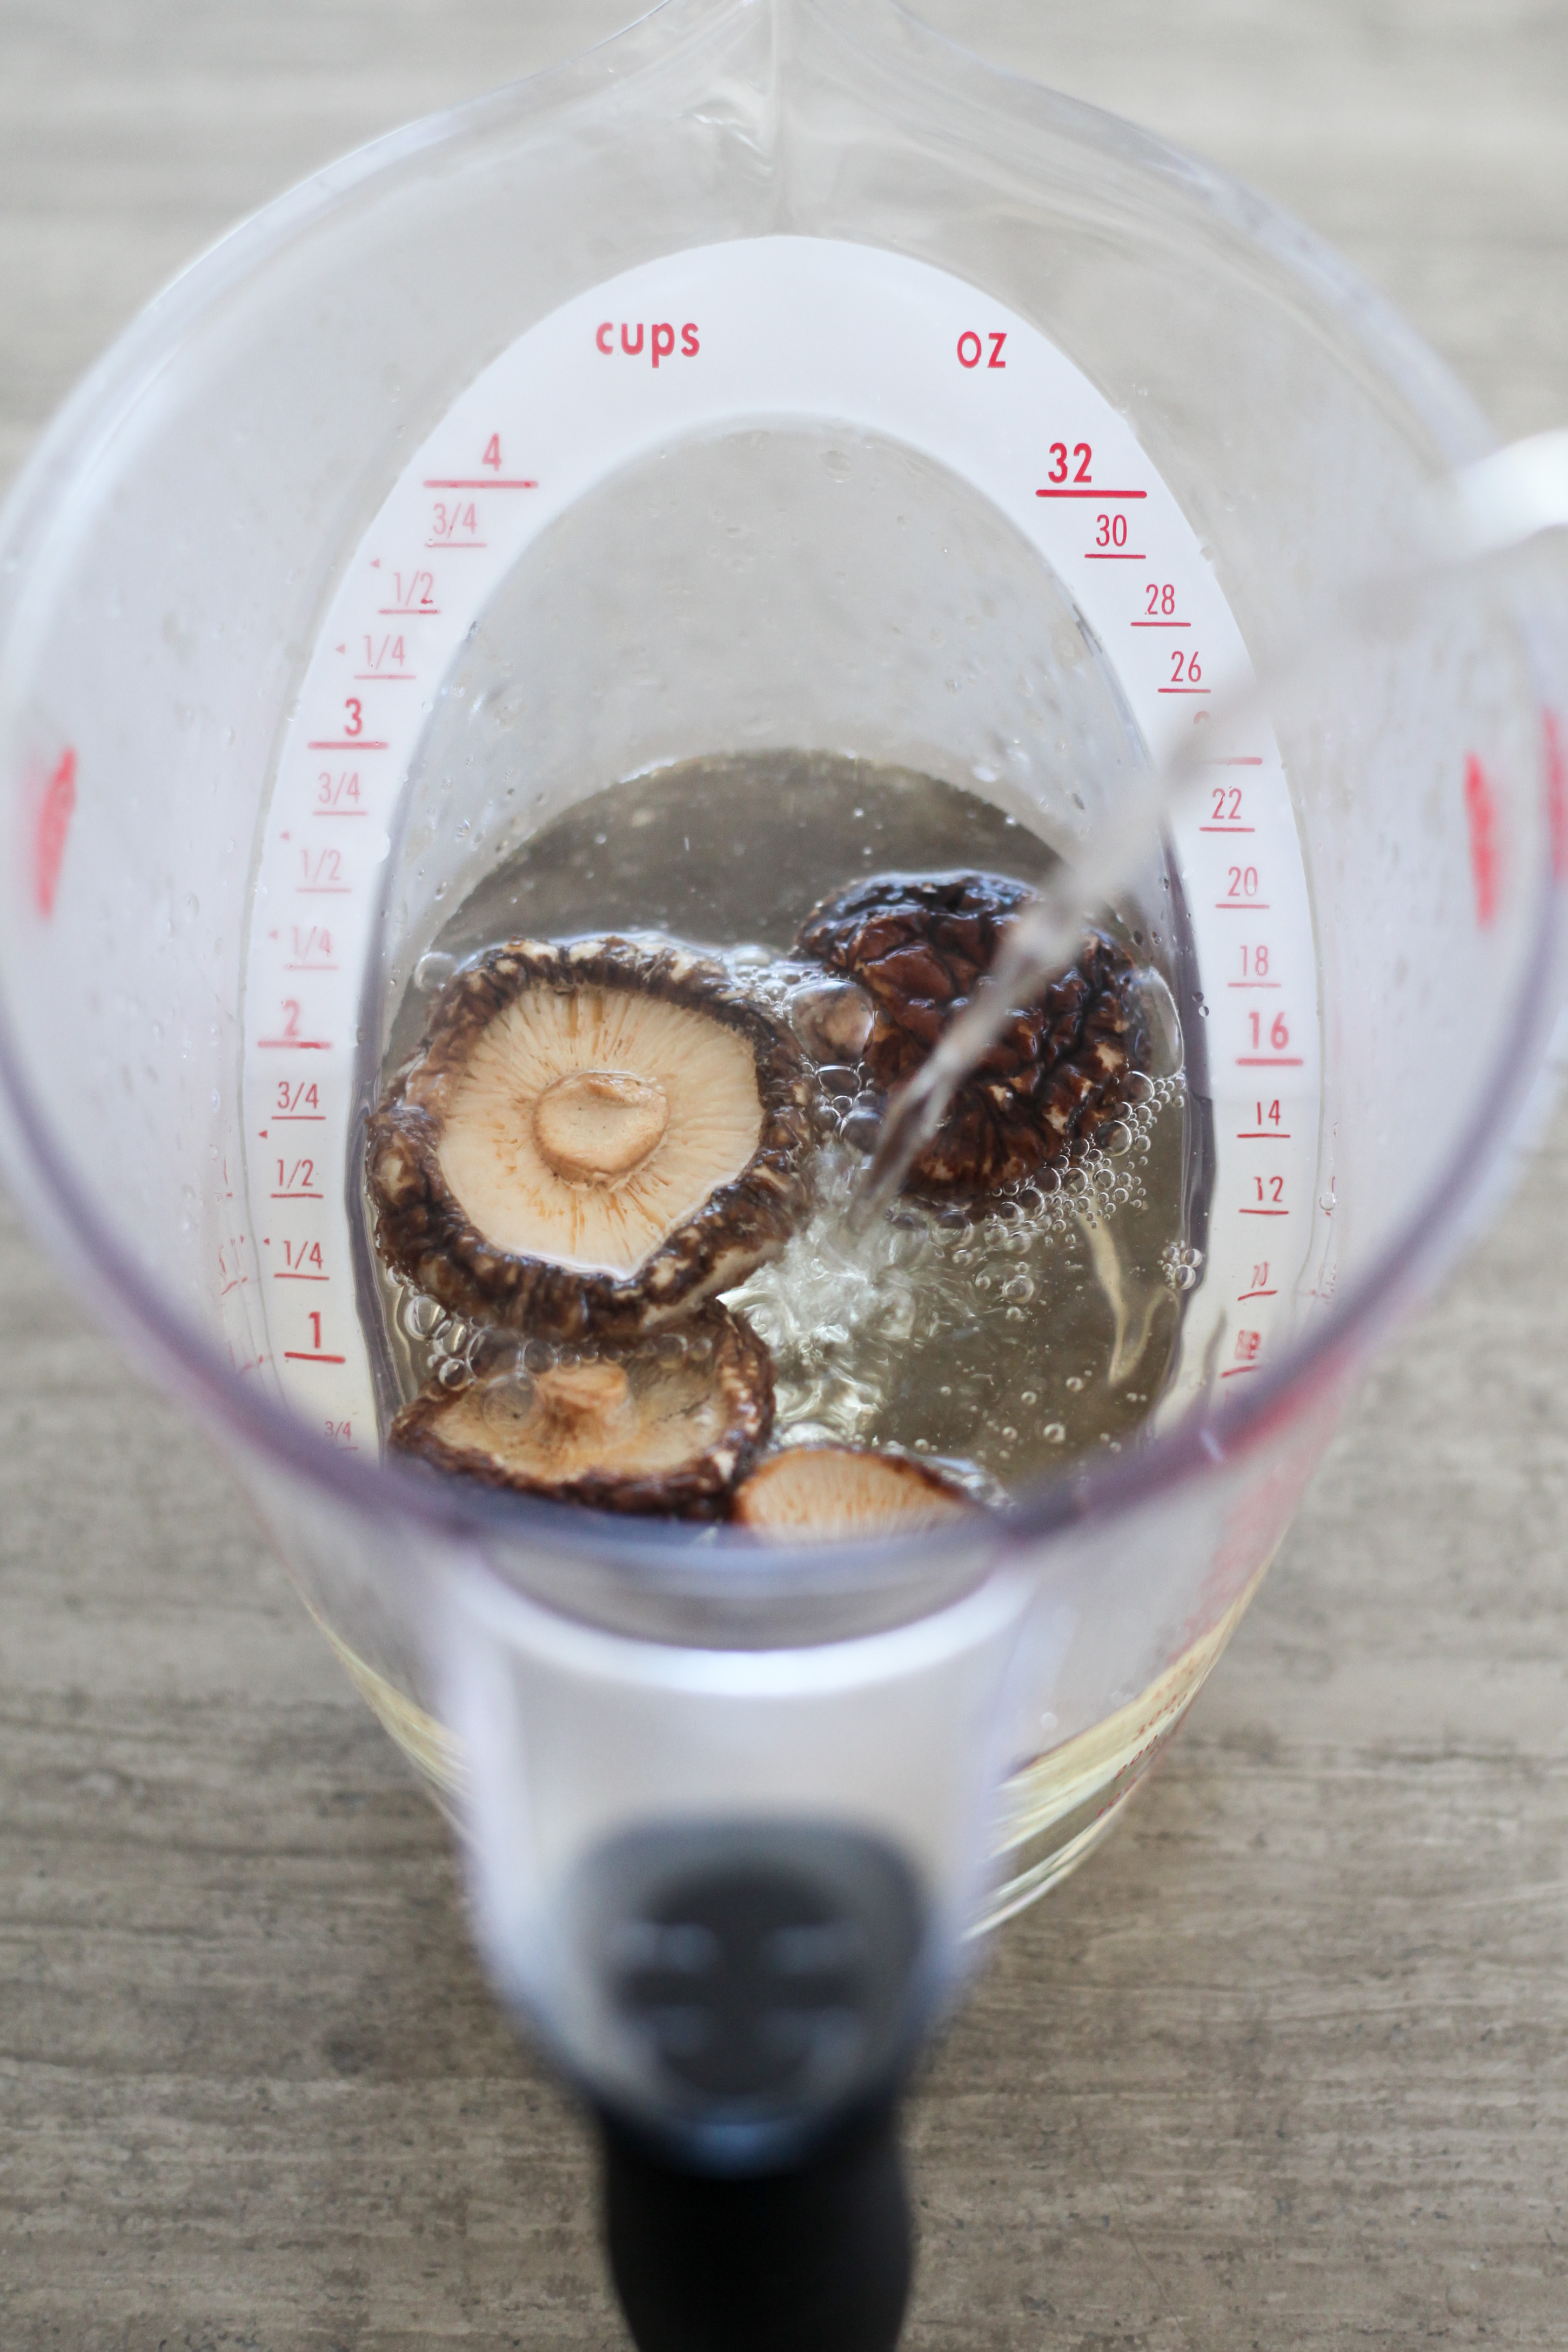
(828,1491)
(918,944)
(591,1139)
(665,1425)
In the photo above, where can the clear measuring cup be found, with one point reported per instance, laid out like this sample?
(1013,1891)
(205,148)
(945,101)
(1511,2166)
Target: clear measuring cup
(775,379)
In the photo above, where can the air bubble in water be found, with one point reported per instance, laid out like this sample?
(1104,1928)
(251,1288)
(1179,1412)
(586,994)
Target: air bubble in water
(433,971)
(418,1315)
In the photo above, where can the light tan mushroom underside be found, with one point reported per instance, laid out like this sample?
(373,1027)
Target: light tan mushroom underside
(490,1154)
(566,1424)
(828,1490)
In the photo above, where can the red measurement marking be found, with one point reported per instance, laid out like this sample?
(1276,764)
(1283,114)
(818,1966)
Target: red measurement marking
(1242,906)
(297,1118)
(295,1045)
(1480,807)
(1243,760)
(353,743)
(1184,689)
(403,611)
(1159,624)
(57,806)
(1092,494)
(279,1276)
(1243,1295)
(1236,1371)
(302,1355)
(483,483)
(384,678)
(1263,1213)
(293,1196)
(462,543)
(1225,828)
(1556,795)
(1261,1135)
(1255,983)
(1268,1061)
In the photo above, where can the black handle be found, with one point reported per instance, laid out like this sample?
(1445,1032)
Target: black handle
(815,2259)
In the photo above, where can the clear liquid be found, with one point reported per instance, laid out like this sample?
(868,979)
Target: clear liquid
(1000,1342)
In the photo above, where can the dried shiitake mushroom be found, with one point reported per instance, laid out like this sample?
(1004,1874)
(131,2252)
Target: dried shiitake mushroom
(825,1491)
(665,1425)
(918,944)
(591,1139)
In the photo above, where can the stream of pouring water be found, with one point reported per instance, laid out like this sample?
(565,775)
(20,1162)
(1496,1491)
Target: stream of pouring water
(1486,510)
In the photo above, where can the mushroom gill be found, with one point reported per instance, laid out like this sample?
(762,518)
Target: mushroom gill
(664,1426)
(591,1139)
(822,1492)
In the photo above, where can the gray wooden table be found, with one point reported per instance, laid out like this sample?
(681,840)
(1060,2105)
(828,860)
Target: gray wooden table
(1285,2067)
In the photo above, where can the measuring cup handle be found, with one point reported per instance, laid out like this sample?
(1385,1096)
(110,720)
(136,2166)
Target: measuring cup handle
(815,2259)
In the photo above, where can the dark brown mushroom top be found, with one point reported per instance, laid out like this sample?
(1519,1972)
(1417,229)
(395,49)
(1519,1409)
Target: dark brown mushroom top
(918,944)
(592,1137)
(844,1491)
(664,1426)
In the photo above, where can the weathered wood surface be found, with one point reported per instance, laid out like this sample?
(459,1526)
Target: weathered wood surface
(1286,2066)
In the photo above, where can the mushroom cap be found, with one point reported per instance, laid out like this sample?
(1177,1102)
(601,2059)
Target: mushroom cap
(592,1137)
(652,1428)
(844,1491)
(919,944)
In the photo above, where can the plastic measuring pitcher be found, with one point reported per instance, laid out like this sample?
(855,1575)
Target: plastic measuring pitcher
(773,386)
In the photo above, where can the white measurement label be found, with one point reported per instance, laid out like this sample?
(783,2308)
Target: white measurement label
(784,330)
